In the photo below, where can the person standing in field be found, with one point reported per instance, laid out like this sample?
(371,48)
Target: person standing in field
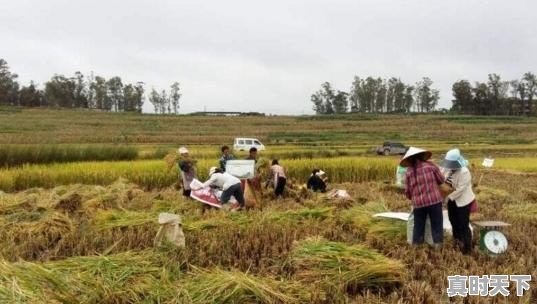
(226,155)
(230,185)
(278,175)
(422,180)
(459,202)
(255,182)
(187,169)
(252,154)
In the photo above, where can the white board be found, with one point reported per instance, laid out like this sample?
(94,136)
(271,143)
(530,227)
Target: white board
(488,162)
(242,169)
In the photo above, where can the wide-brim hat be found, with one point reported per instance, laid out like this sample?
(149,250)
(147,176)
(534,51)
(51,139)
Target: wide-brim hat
(451,164)
(414,152)
(212,170)
(453,160)
(182,150)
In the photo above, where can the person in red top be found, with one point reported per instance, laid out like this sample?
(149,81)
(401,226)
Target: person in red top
(422,179)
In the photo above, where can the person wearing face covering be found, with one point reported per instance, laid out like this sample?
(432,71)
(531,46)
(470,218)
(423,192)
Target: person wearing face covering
(459,202)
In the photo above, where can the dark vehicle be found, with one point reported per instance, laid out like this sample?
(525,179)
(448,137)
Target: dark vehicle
(392,148)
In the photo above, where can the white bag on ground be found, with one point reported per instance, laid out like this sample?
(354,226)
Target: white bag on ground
(170,230)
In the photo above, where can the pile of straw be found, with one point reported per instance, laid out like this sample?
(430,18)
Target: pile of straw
(343,267)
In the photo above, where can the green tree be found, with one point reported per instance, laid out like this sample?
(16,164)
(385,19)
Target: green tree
(9,87)
(81,91)
(340,102)
(530,84)
(175,96)
(60,91)
(464,99)
(99,89)
(354,94)
(30,96)
(115,91)
(425,96)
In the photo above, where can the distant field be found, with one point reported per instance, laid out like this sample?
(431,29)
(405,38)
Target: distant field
(41,126)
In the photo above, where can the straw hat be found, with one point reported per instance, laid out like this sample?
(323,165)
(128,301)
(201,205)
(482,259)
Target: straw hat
(182,150)
(413,152)
(454,160)
(212,170)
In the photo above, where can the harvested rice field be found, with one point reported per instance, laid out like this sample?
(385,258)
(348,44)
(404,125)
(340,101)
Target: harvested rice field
(83,231)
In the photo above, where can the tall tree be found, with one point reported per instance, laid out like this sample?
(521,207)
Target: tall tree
(81,97)
(426,97)
(115,90)
(30,96)
(60,91)
(99,89)
(175,96)
(340,102)
(323,99)
(9,87)
(354,94)
(530,83)
(463,102)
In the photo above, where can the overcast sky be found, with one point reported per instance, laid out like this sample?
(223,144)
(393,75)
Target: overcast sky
(268,56)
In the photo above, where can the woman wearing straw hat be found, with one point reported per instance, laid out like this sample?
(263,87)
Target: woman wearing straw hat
(454,168)
(187,168)
(422,179)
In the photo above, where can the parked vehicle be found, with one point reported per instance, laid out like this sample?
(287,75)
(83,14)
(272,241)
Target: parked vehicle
(244,144)
(392,148)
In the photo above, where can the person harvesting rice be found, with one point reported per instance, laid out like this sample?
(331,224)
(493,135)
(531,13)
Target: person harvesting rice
(230,185)
(187,169)
(422,180)
(278,174)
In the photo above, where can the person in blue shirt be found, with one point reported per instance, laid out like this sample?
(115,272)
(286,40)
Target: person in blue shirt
(226,155)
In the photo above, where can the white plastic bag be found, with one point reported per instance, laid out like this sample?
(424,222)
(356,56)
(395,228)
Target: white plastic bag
(170,230)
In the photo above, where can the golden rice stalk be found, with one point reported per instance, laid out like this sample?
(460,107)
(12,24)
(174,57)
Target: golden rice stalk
(347,268)
(220,286)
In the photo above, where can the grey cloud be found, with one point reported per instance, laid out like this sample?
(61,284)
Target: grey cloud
(268,56)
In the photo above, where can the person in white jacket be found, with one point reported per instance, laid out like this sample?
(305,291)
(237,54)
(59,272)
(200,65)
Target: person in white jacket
(454,168)
(230,185)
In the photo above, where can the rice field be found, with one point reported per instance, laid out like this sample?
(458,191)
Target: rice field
(83,230)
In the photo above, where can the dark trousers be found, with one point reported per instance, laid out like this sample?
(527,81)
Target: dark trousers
(236,191)
(437,225)
(280,186)
(459,218)
(186,192)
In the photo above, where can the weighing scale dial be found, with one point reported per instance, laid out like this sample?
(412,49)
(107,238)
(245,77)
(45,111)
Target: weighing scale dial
(495,242)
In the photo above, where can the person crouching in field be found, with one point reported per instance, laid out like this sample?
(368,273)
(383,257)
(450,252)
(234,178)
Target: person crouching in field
(278,175)
(226,155)
(317,181)
(187,168)
(459,202)
(230,185)
(422,180)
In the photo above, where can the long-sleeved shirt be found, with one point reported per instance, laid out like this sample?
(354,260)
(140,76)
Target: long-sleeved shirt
(461,181)
(224,159)
(277,171)
(222,180)
(422,184)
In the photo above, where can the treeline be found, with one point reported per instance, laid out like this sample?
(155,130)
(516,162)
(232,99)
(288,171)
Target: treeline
(496,97)
(377,95)
(88,92)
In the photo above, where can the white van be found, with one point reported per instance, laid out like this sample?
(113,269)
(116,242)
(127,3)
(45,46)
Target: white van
(244,144)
